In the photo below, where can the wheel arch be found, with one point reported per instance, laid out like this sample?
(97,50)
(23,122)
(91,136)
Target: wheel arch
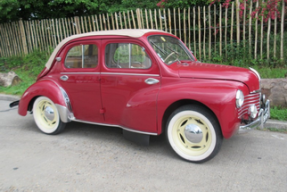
(48,89)
(175,105)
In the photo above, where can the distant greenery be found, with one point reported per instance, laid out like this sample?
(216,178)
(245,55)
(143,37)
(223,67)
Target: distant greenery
(239,55)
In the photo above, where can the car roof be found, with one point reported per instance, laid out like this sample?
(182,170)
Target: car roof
(136,33)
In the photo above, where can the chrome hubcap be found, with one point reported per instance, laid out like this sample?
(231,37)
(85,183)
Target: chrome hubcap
(49,113)
(193,133)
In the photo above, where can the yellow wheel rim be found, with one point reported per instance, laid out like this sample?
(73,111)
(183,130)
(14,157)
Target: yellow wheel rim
(192,135)
(46,115)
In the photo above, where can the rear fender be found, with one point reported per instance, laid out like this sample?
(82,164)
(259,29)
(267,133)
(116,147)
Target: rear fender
(48,89)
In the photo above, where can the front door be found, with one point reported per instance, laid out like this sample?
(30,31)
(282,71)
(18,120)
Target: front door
(130,82)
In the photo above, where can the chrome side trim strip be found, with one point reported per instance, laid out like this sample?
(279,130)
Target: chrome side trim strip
(111,125)
(134,74)
(108,73)
(82,73)
(65,115)
(65,112)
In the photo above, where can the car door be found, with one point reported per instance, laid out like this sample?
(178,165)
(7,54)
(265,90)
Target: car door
(130,82)
(79,76)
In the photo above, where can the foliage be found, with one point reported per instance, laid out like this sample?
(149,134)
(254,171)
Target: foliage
(278,113)
(266,9)
(26,67)
(12,10)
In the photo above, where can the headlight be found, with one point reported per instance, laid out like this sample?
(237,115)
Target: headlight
(239,98)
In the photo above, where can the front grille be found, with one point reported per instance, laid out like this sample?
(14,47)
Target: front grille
(250,99)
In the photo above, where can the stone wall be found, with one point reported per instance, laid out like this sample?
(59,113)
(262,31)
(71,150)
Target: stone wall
(275,90)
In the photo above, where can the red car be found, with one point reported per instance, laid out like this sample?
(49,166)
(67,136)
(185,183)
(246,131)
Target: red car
(146,82)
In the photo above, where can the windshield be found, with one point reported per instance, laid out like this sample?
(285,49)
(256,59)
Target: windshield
(169,49)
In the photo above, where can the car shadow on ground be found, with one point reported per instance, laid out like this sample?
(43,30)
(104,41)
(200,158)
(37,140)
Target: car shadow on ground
(114,135)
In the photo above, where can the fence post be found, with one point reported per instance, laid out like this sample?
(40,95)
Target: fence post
(237,22)
(78,30)
(138,13)
(282,30)
(23,36)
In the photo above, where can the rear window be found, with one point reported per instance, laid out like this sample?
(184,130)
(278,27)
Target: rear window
(82,56)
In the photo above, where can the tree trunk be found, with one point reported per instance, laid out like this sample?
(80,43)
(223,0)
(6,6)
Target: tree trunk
(9,79)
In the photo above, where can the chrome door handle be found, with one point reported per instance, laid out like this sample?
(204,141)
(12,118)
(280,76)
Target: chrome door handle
(151,81)
(64,77)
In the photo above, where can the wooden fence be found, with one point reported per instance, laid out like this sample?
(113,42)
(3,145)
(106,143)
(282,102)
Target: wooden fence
(208,31)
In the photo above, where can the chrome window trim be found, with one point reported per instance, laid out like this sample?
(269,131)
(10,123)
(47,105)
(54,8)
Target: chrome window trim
(81,73)
(111,125)
(108,73)
(134,74)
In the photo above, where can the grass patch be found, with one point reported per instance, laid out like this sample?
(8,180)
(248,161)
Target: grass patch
(278,113)
(26,67)
(267,72)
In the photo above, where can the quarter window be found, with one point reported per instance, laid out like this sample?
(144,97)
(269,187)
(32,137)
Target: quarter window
(126,55)
(82,56)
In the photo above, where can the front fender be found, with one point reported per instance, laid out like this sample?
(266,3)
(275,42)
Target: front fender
(48,89)
(217,95)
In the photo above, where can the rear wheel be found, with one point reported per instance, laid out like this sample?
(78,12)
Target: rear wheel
(194,133)
(47,117)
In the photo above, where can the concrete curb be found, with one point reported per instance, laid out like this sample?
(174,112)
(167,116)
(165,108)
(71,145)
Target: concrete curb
(269,124)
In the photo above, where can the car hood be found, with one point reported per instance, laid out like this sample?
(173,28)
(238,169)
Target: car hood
(223,72)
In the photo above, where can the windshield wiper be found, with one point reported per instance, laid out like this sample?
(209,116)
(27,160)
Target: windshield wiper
(164,52)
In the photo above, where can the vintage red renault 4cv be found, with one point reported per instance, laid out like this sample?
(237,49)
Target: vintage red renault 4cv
(146,82)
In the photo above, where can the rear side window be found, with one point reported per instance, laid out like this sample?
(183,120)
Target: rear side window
(126,55)
(82,56)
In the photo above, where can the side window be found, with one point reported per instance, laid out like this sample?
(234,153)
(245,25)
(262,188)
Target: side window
(82,56)
(126,55)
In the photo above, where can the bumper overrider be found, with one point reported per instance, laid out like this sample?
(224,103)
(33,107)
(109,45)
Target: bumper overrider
(263,115)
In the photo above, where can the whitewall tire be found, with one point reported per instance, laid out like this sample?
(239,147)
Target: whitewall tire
(194,133)
(47,117)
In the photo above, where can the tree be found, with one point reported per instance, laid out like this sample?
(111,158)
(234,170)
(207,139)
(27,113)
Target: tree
(12,10)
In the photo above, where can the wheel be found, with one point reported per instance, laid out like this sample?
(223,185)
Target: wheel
(193,133)
(47,117)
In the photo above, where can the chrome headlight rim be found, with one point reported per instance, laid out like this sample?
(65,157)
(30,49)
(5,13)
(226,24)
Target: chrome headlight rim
(239,98)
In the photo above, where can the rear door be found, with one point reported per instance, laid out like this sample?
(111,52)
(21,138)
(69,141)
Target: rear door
(80,77)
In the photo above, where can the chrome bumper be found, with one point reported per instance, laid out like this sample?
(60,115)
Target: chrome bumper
(263,115)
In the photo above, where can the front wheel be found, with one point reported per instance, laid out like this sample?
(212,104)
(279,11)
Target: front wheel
(47,117)
(193,133)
